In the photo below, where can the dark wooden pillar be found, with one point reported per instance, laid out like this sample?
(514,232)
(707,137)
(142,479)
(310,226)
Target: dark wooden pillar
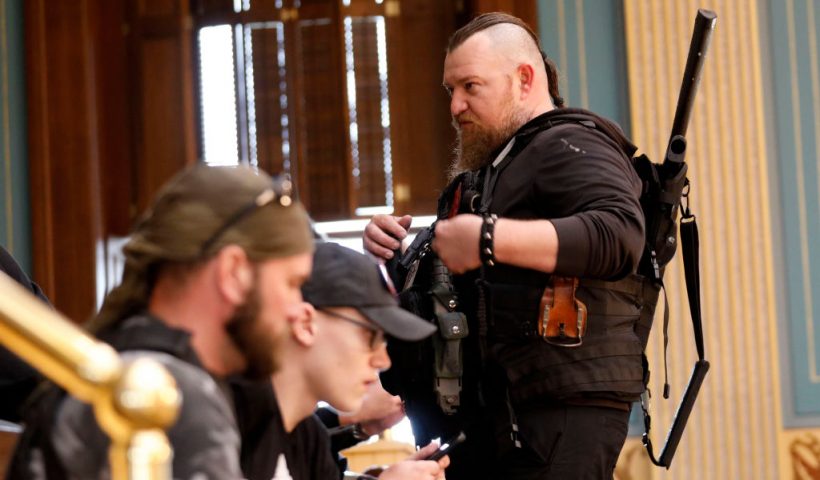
(526,10)
(63,152)
(419,106)
(110,116)
(164,140)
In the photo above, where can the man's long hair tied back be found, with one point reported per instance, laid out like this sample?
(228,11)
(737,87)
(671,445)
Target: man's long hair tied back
(127,298)
(185,214)
(552,79)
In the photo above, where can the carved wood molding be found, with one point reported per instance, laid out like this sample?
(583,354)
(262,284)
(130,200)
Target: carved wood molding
(804,453)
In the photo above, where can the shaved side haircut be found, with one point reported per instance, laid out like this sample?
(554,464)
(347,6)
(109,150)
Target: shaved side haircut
(508,28)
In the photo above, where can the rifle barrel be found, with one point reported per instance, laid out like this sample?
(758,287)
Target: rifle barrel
(701,36)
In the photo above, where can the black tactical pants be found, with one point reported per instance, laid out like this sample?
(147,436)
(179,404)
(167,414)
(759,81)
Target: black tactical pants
(558,442)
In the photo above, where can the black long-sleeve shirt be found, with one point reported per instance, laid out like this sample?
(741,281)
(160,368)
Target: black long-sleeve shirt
(268,449)
(583,182)
(17,378)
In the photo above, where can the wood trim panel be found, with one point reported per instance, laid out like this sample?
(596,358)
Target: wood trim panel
(524,9)
(39,147)
(114,115)
(419,106)
(63,153)
(164,133)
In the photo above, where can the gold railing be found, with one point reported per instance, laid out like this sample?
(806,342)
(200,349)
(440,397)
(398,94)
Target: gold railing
(134,402)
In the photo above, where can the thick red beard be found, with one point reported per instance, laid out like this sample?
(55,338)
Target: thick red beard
(475,144)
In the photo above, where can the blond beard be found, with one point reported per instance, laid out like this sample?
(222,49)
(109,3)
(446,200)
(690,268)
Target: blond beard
(253,337)
(473,149)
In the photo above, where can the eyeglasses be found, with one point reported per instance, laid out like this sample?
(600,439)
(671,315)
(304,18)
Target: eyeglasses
(280,190)
(377,337)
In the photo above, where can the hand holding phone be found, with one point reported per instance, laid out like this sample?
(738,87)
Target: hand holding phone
(446,447)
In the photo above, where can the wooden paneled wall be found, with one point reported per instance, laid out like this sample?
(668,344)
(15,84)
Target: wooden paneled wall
(112,115)
(63,151)
(526,10)
(421,133)
(110,118)
(161,93)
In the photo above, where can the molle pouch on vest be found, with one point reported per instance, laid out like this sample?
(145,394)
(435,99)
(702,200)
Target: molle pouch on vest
(447,345)
(562,319)
(407,375)
(449,359)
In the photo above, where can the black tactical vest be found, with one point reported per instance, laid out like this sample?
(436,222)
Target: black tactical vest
(609,365)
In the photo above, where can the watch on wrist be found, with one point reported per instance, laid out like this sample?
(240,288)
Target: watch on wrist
(358,432)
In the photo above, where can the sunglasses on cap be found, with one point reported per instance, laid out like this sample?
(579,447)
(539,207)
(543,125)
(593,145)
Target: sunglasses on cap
(280,191)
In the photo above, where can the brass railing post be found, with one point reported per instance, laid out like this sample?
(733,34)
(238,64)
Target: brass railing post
(134,402)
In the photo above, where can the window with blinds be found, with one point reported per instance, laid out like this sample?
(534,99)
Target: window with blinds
(300,88)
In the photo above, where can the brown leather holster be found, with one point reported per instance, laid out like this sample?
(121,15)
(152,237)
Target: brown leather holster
(562,319)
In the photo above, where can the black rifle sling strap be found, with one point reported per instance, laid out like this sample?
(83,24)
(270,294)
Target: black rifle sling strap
(691,263)
(484,317)
(481,282)
(665,341)
(690,247)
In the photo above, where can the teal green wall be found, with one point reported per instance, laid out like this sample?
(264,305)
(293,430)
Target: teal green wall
(15,226)
(585,39)
(794,27)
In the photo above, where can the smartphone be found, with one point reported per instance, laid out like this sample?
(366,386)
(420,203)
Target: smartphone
(445,447)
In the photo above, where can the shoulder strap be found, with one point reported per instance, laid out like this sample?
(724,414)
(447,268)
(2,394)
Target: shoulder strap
(583,117)
(690,245)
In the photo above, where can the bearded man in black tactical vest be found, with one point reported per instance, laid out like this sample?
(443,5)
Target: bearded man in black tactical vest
(542,230)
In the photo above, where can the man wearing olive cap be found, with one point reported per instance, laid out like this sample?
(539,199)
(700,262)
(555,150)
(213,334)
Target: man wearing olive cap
(209,272)
(333,350)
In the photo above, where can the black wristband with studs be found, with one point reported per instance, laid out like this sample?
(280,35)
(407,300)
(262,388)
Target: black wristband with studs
(486,248)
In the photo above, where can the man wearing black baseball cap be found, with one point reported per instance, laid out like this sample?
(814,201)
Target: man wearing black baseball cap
(344,278)
(333,350)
